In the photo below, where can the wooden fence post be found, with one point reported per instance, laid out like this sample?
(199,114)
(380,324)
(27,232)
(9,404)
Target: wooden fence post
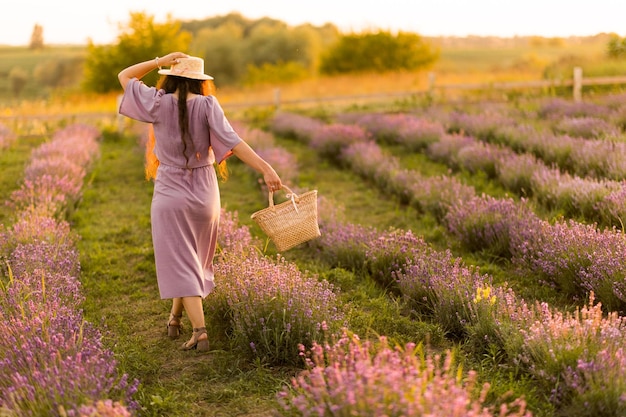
(578,83)
(277,98)
(431,83)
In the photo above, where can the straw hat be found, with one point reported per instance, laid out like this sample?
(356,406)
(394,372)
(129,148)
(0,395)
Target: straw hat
(190,67)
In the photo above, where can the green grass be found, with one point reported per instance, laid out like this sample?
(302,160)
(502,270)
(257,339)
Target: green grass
(29,60)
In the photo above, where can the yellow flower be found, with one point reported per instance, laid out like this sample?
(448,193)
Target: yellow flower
(484,293)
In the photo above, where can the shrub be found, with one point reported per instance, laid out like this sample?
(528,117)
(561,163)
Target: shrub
(447,149)
(344,244)
(586,127)
(270,308)
(294,125)
(490,224)
(437,284)
(577,258)
(331,139)
(51,357)
(484,125)
(366,379)
(577,358)
(411,132)
(370,161)
(380,51)
(390,251)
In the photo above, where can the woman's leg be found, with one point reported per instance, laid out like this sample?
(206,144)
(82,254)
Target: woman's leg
(177,307)
(173,323)
(195,313)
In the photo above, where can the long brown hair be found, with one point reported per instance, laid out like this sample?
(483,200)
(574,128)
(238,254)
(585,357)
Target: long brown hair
(184,86)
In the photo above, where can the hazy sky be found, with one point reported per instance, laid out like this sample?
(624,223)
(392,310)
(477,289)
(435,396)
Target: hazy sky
(71,21)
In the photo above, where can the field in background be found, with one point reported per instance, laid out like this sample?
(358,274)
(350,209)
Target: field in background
(462,61)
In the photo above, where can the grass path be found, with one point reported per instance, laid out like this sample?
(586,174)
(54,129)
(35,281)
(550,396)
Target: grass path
(119,281)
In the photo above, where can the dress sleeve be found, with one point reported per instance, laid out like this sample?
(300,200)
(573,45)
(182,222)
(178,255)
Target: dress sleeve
(140,102)
(223,136)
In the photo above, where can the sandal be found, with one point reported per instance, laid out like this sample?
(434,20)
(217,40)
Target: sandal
(201,345)
(174,326)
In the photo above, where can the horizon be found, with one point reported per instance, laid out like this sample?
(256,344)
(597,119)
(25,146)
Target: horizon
(100,21)
(26,45)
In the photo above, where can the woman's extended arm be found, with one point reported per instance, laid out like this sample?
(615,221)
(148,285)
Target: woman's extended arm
(244,152)
(141,69)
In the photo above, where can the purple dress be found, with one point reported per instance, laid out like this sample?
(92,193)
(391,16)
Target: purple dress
(186,202)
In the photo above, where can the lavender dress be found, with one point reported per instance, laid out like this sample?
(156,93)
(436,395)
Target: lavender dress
(186,202)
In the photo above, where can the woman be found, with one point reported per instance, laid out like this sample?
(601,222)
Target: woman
(191,133)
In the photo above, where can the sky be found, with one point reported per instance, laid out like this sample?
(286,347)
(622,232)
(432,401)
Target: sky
(76,22)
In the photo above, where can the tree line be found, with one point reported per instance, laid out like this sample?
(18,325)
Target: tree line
(236,50)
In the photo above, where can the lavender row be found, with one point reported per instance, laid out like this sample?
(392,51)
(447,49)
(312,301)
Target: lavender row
(354,147)
(572,257)
(582,258)
(268,300)
(54,361)
(596,200)
(577,359)
(584,146)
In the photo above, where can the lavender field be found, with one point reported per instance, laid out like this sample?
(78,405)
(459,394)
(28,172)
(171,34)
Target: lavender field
(472,263)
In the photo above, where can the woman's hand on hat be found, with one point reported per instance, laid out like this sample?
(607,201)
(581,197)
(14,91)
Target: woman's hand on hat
(171,58)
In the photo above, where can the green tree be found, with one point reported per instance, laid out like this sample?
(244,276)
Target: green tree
(36,39)
(59,72)
(222,50)
(380,51)
(617,47)
(18,78)
(236,49)
(141,39)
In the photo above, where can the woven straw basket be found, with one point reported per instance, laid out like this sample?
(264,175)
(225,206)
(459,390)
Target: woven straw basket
(291,222)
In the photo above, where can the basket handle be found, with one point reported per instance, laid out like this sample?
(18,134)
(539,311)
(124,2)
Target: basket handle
(290,195)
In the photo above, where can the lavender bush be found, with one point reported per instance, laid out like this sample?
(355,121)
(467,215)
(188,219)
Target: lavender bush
(558,108)
(295,125)
(574,355)
(352,377)
(489,224)
(413,133)
(263,142)
(233,239)
(370,161)
(344,244)
(484,125)
(577,258)
(447,148)
(389,252)
(586,127)
(437,284)
(52,358)
(330,140)
(271,309)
